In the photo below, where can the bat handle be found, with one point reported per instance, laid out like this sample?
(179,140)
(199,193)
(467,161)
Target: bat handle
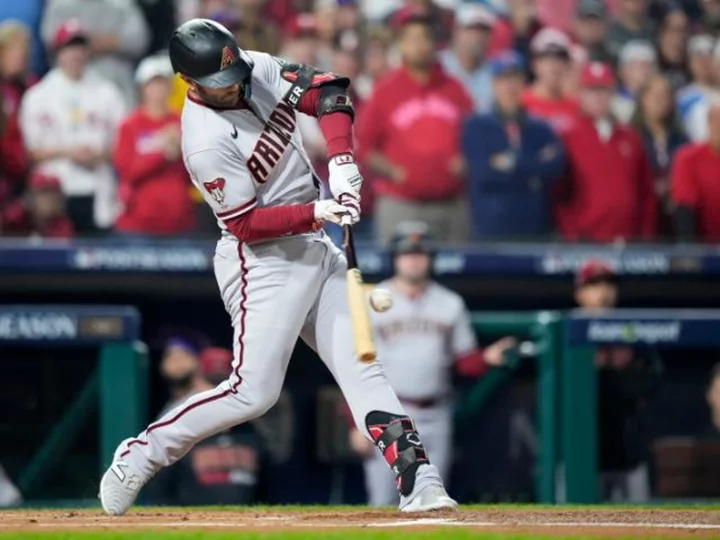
(349,245)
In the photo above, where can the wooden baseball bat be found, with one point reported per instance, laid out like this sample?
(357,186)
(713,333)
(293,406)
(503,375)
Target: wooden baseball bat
(357,300)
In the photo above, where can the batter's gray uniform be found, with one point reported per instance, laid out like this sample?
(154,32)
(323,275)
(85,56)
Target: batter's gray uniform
(418,340)
(274,291)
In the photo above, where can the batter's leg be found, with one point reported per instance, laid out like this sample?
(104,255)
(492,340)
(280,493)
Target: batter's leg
(267,298)
(374,406)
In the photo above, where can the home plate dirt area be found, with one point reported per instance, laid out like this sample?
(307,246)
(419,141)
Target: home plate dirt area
(524,520)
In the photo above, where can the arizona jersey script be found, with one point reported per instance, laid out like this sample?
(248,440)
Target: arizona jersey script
(251,156)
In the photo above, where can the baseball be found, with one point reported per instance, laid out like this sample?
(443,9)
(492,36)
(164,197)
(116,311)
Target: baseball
(381,300)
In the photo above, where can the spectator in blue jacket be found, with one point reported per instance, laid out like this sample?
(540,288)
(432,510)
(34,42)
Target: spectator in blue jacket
(512,159)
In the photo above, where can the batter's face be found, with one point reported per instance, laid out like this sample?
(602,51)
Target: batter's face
(217,97)
(413,267)
(597,296)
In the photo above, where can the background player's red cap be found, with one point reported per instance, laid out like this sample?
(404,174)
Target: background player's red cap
(597,74)
(594,271)
(216,360)
(69,33)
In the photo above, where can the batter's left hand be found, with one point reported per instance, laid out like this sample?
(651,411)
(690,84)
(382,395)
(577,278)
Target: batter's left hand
(345,183)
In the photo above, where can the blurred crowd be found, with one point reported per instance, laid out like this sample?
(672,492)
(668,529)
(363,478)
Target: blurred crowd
(582,120)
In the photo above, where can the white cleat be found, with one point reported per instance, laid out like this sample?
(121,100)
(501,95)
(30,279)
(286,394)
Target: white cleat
(427,496)
(119,487)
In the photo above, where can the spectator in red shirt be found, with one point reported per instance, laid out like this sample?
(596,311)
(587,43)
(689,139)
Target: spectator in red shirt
(153,184)
(696,185)
(608,193)
(409,136)
(41,212)
(551,64)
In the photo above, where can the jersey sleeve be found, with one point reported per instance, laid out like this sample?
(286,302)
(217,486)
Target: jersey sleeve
(462,340)
(223,180)
(267,68)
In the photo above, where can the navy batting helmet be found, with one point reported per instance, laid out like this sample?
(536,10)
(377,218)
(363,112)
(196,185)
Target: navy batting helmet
(411,237)
(206,52)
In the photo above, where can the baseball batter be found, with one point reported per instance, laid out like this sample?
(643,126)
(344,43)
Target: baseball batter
(421,339)
(279,275)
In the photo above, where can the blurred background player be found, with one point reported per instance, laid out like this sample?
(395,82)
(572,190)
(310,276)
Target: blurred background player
(627,377)
(420,340)
(223,469)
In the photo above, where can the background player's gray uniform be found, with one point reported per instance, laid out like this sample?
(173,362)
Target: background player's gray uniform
(418,340)
(273,290)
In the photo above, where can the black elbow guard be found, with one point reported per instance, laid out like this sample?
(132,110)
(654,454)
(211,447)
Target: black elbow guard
(334,98)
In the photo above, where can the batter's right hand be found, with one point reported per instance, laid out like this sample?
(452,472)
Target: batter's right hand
(332,211)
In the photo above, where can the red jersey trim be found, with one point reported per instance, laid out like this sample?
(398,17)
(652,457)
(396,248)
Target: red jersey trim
(238,211)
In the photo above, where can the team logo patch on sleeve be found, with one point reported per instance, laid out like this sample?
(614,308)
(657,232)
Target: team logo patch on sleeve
(229,57)
(216,189)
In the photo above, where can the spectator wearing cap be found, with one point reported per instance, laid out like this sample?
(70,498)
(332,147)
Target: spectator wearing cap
(658,123)
(551,63)
(439,19)
(69,121)
(630,23)
(672,46)
(409,136)
(591,28)
(607,193)
(29,14)
(698,97)
(153,184)
(117,36)
(466,58)
(638,62)
(516,28)
(40,212)
(626,379)
(695,186)
(513,160)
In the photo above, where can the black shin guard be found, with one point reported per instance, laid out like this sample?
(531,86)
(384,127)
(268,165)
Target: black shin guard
(398,440)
